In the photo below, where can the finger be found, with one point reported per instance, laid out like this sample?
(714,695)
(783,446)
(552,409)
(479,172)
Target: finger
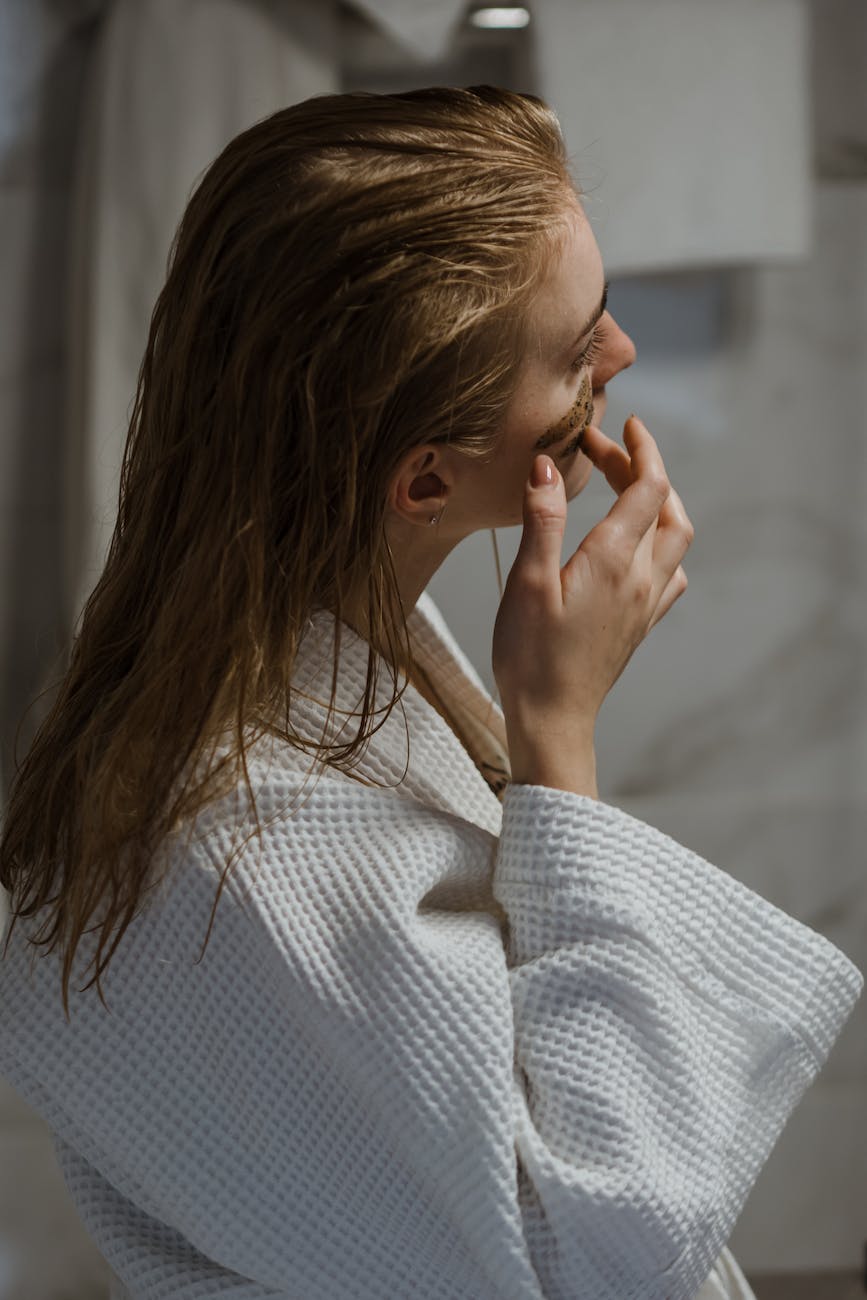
(608,457)
(674,517)
(540,549)
(615,546)
(612,461)
(639,505)
(661,549)
(674,536)
(675,588)
(643,452)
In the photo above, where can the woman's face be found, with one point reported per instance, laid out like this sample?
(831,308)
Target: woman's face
(578,348)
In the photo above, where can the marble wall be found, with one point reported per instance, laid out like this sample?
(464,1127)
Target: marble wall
(740,727)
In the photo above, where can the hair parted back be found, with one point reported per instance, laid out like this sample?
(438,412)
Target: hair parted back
(351,278)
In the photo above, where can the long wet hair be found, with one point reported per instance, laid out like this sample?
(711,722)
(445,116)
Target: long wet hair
(351,278)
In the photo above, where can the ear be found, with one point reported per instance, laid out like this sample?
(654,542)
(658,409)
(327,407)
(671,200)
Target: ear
(420,485)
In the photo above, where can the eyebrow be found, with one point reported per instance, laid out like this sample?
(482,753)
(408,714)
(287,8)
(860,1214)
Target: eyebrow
(598,313)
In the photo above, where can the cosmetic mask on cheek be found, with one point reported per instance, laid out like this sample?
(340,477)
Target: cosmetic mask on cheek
(578,416)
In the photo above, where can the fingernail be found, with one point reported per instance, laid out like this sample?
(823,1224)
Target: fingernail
(542,474)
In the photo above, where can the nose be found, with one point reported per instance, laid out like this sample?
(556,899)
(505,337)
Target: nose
(617,351)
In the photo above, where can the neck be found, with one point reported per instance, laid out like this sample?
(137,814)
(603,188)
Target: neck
(416,558)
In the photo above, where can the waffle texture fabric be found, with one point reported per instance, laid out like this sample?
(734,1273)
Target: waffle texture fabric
(438,1046)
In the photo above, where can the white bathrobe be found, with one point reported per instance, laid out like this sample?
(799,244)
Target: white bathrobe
(438,1045)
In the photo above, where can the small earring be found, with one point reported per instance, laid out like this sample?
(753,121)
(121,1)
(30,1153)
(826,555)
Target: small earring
(434,519)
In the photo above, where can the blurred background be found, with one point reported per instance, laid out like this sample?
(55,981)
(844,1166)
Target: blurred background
(722,150)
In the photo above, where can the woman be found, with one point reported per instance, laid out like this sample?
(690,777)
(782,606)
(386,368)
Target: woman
(459,1029)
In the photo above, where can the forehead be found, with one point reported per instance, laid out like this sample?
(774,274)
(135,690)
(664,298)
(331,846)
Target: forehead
(572,286)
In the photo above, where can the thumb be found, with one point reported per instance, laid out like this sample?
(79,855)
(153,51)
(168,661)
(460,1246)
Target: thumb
(541,543)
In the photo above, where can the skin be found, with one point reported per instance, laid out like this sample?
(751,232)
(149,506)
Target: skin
(552,400)
(578,417)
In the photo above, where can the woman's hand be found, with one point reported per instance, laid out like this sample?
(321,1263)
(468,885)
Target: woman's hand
(563,636)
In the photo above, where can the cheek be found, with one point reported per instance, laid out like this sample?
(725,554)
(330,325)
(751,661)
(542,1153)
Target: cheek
(577,415)
(580,412)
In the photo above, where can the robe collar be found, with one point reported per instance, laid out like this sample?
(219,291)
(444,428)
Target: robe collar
(415,748)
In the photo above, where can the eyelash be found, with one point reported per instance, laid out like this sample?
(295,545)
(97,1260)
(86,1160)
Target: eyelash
(590,353)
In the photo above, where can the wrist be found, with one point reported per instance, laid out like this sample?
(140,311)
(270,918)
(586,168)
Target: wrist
(572,768)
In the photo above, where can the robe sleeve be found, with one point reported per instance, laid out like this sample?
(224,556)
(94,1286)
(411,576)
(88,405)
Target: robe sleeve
(668,1020)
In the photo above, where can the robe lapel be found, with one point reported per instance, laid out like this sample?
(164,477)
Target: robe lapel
(441,772)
